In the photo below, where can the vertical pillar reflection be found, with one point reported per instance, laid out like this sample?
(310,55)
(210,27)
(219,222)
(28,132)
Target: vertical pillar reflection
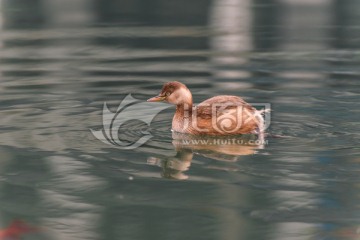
(230,21)
(304,32)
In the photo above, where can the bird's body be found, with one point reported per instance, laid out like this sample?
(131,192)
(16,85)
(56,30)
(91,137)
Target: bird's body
(220,115)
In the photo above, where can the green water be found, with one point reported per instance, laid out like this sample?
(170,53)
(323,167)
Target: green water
(59,63)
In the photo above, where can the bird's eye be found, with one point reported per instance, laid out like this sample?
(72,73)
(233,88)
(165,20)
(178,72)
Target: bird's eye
(167,94)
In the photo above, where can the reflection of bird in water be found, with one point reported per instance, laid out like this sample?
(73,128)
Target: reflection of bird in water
(223,149)
(221,115)
(16,229)
(173,167)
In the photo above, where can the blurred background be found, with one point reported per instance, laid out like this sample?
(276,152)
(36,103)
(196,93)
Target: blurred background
(60,60)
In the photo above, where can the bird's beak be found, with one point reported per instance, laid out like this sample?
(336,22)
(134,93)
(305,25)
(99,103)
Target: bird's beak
(156,99)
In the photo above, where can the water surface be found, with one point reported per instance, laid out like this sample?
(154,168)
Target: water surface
(57,72)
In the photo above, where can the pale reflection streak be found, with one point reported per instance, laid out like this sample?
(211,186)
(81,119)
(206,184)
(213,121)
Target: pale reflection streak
(294,231)
(71,13)
(232,18)
(295,26)
(76,218)
(231,22)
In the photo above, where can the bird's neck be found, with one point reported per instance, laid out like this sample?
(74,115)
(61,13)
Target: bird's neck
(182,117)
(184,110)
(184,104)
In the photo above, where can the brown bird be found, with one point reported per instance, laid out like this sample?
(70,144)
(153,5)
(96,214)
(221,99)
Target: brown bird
(220,115)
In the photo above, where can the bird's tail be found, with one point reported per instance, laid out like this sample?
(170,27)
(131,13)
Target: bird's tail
(261,123)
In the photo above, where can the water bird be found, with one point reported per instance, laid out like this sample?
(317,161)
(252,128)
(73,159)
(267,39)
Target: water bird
(217,116)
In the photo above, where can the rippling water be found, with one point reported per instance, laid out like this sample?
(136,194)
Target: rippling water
(302,185)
